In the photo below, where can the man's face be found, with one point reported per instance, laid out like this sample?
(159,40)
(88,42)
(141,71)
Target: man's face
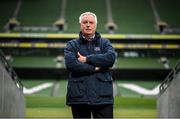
(88,25)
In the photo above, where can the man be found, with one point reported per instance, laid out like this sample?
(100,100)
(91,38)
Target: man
(88,59)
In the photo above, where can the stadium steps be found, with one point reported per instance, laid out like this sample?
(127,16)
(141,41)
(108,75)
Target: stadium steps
(169,11)
(134,17)
(36,12)
(38,16)
(6,12)
(131,17)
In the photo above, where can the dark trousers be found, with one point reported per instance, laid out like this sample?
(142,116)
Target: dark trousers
(98,111)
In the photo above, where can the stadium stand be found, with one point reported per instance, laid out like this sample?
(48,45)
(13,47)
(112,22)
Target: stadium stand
(34,15)
(169,99)
(134,17)
(13,22)
(124,16)
(36,12)
(169,12)
(110,26)
(6,12)
(11,92)
(160,25)
(61,22)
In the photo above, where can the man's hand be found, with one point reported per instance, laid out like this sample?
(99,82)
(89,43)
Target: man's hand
(81,58)
(97,68)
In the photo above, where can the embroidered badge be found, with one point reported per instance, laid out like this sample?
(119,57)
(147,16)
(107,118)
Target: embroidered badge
(97,49)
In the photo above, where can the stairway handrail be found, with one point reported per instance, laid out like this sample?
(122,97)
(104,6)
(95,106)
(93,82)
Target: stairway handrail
(172,75)
(11,71)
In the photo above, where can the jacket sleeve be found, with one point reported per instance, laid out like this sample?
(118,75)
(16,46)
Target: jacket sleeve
(72,63)
(104,60)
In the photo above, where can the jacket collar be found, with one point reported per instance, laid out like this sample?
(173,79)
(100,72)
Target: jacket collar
(83,39)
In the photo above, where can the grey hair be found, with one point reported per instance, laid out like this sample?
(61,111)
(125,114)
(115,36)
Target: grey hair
(87,13)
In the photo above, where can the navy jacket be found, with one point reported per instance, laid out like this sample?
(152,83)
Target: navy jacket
(85,85)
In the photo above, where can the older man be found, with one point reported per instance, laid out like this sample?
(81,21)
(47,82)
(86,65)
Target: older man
(88,59)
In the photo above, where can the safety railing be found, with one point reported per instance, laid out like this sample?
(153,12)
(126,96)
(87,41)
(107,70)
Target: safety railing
(10,71)
(172,75)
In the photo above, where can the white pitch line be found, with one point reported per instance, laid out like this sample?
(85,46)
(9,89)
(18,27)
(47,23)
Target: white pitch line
(139,89)
(37,88)
(56,88)
(115,89)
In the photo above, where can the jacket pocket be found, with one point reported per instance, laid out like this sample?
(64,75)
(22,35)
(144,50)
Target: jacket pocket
(104,84)
(76,88)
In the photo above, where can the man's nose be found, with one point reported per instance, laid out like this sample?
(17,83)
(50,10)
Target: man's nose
(88,24)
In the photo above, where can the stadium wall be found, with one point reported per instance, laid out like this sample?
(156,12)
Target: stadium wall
(168,102)
(62,73)
(12,101)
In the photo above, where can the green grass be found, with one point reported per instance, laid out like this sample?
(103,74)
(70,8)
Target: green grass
(135,106)
(139,63)
(34,61)
(149,84)
(34,82)
(48,112)
(135,113)
(66,113)
(61,92)
(45,102)
(29,83)
(124,107)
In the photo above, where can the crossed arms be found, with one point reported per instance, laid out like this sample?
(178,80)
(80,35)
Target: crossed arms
(76,62)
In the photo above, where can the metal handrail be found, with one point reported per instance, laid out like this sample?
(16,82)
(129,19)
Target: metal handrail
(172,75)
(11,71)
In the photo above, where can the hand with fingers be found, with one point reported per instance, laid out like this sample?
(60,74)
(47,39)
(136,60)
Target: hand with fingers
(81,58)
